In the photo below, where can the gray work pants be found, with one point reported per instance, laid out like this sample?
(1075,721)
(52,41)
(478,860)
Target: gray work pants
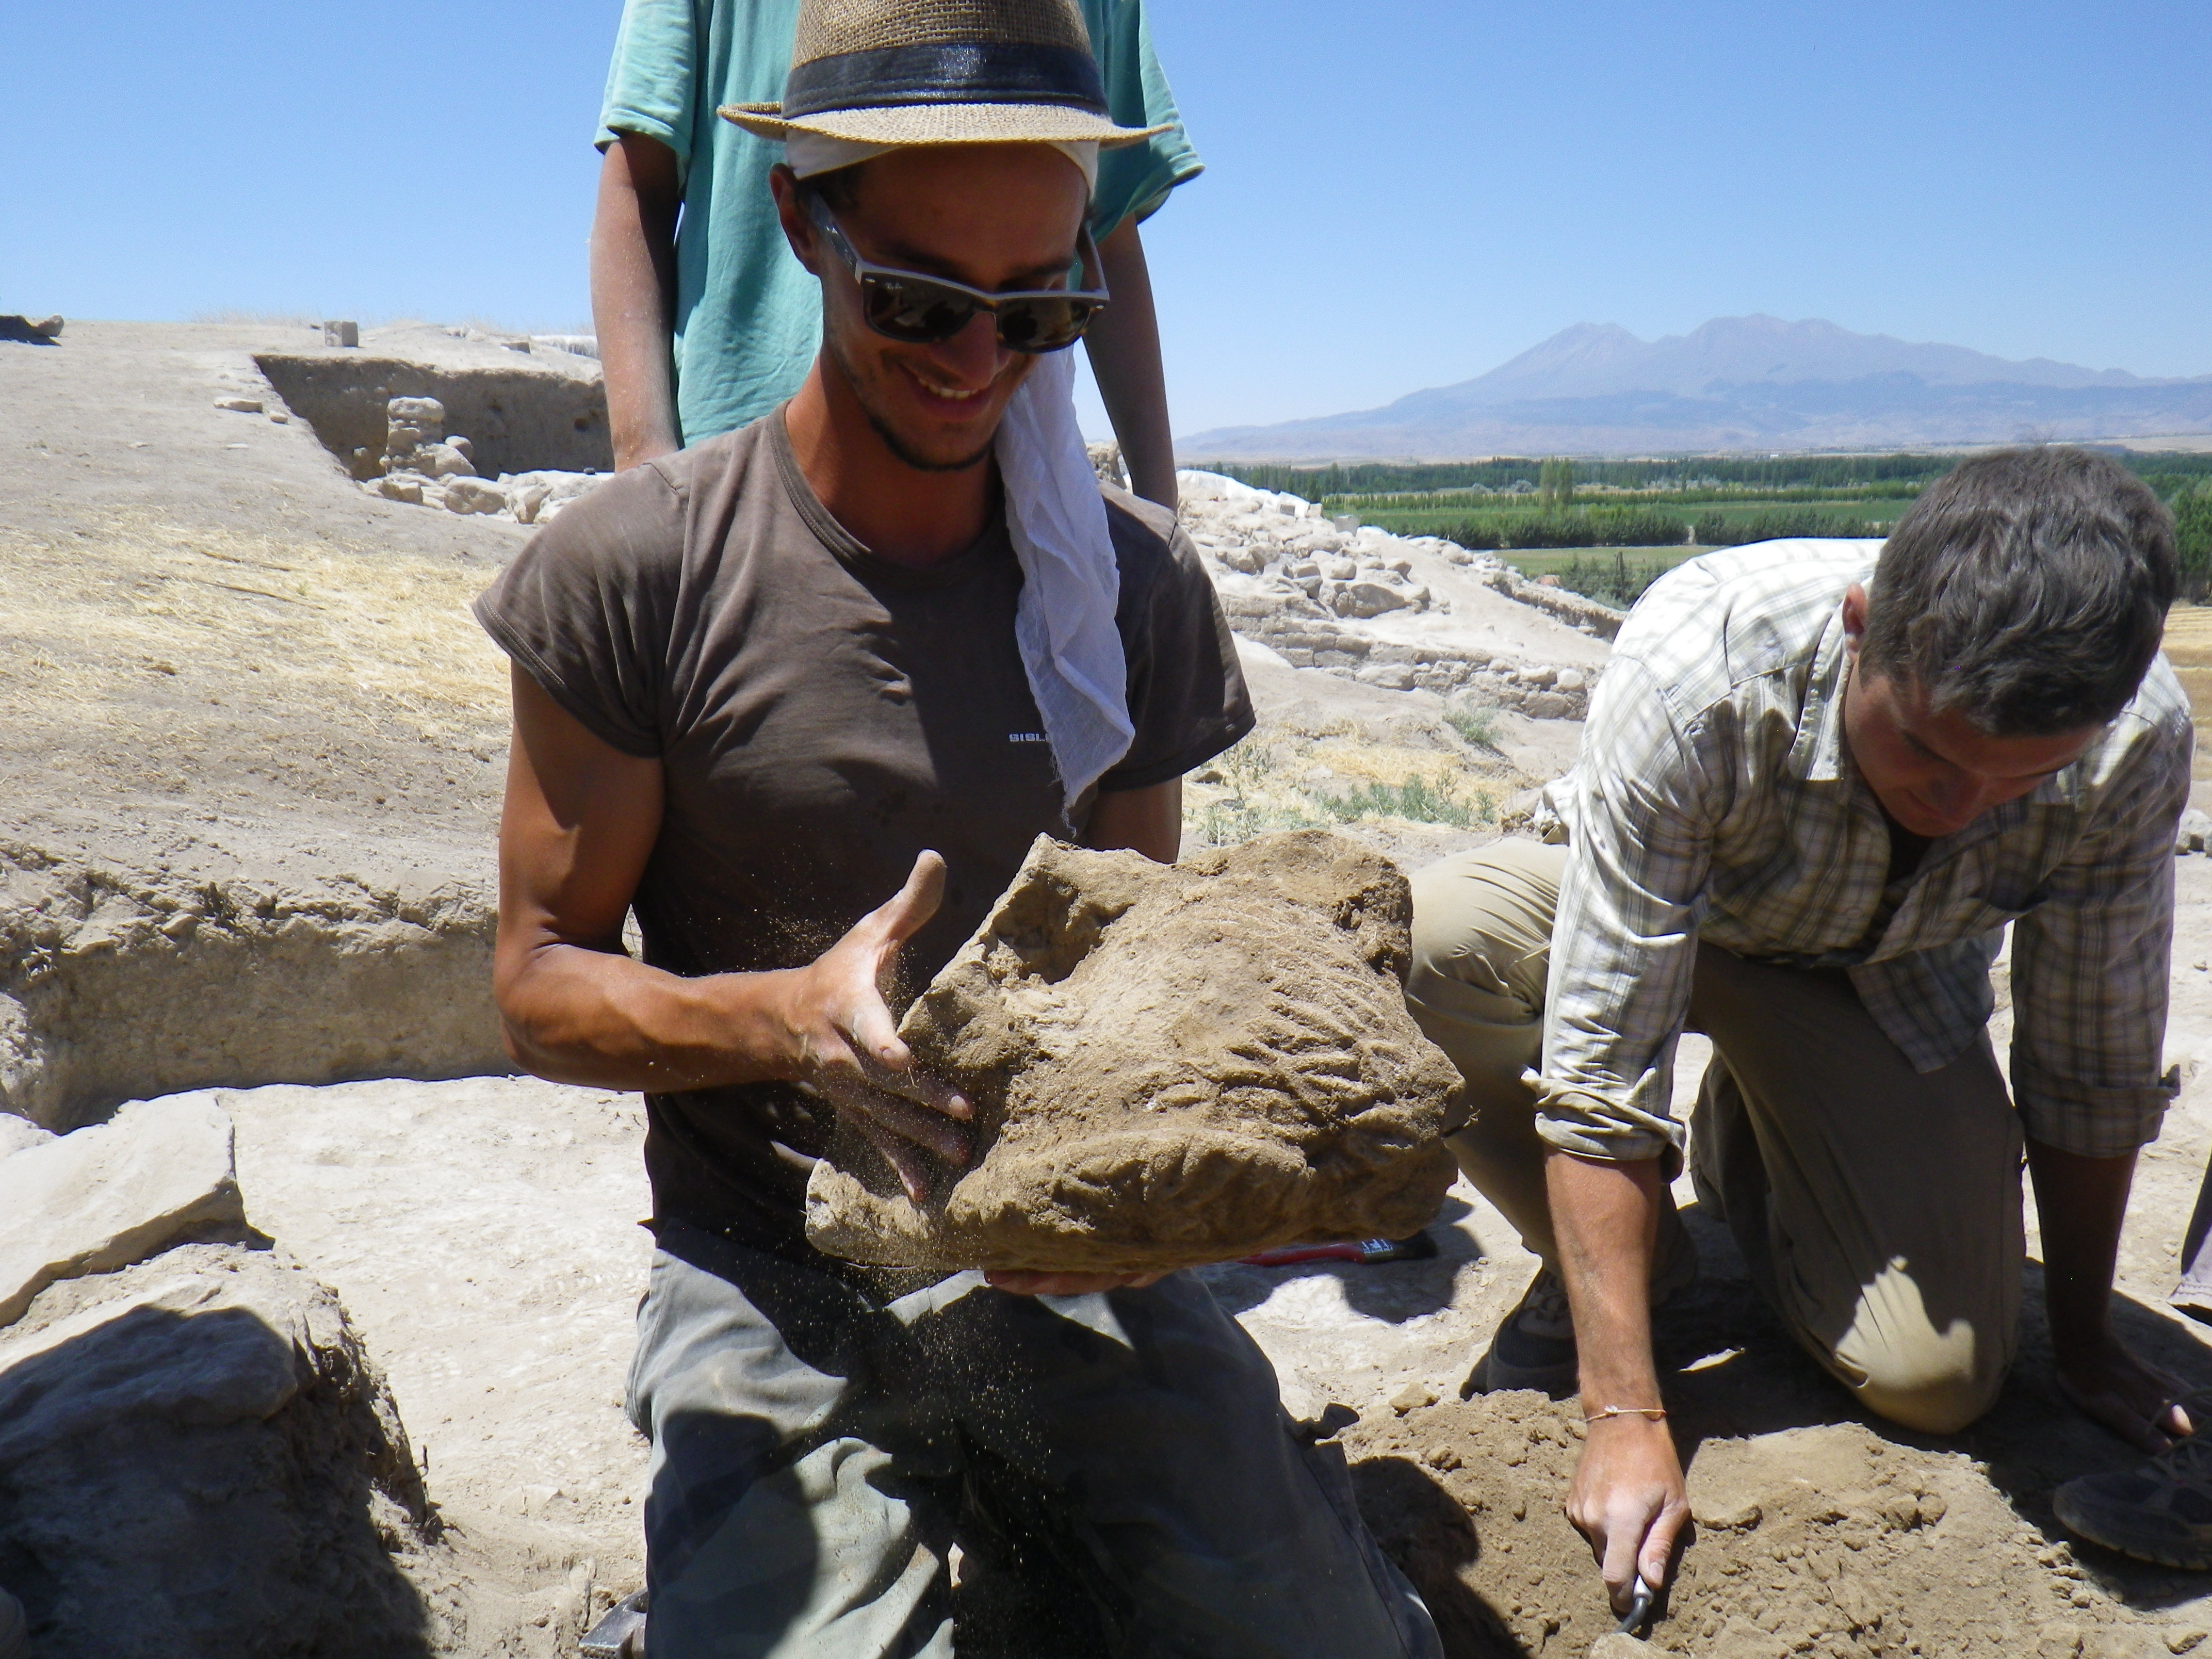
(1115,1471)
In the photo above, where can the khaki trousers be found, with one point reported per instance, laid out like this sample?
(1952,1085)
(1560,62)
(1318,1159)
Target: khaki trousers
(1879,1209)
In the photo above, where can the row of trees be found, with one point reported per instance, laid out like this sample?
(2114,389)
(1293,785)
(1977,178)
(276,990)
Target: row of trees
(1613,581)
(1644,526)
(1788,472)
(1715,530)
(1555,485)
(2192,524)
(1583,527)
(1484,500)
(2165,472)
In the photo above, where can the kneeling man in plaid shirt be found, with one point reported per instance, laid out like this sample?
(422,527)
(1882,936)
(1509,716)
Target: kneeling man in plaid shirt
(1815,785)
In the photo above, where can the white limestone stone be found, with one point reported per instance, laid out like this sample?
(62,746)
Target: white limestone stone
(113,1194)
(18,1133)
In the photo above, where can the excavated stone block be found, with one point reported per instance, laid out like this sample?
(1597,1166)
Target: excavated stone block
(464,495)
(158,1171)
(198,1460)
(1168,1065)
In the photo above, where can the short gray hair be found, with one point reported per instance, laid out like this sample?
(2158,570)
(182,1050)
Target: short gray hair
(2026,589)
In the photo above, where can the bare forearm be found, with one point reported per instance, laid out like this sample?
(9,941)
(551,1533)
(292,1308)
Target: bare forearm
(1147,821)
(1606,1217)
(2080,1202)
(634,296)
(1124,343)
(601,1019)
(1627,1495)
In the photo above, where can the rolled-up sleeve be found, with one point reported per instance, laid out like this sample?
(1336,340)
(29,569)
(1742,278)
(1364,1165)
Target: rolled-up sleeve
(1624,946)
(1134,180)
(652,79)
(2091,964)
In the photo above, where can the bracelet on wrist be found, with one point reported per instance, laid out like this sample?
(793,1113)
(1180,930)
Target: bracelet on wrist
(1651,1414)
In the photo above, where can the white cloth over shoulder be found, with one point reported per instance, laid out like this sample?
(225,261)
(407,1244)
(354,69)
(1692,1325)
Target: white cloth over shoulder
(1071,582)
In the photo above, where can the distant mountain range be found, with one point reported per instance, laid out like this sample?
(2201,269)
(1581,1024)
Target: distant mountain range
(1736,383)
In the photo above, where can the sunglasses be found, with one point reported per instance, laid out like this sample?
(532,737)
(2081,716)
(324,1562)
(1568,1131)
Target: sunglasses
(917,310)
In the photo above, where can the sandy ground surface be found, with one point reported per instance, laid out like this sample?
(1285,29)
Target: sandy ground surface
(2188,648)
(214,632)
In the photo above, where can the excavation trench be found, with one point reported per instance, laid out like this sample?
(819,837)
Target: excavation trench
(518,420)
(118,984)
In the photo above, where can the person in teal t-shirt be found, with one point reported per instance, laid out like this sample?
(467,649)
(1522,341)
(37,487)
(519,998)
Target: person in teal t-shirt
(705,320)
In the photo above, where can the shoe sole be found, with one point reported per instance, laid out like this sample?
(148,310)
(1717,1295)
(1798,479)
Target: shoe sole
(1551,1380)
(2157,1556)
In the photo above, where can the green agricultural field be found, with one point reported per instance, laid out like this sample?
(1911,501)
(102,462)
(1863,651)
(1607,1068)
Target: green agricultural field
(1554,562)
(1602,527)
(1402,520)
(1882,511)
(1859,499)
(1612,575)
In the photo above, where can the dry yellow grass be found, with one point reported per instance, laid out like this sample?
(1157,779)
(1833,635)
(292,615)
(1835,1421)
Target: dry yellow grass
(2188,648)
(97,620)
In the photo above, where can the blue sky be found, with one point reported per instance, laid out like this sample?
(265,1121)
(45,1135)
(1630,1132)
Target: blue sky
(1399,194)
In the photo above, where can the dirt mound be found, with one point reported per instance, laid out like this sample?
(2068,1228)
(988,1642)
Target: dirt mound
(1169,1064)
(1827,1540)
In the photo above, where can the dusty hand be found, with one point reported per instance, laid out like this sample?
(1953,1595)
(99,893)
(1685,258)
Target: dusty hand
(847,1047)
(2135,1401)
(1023,1282)
(1627,1498)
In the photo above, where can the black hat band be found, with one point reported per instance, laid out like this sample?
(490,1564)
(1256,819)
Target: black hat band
(947,72)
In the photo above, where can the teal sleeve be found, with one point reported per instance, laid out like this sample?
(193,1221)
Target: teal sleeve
(1132,181)
(653,84)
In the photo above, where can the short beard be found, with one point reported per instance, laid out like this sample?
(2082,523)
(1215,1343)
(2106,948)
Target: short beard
(883,428)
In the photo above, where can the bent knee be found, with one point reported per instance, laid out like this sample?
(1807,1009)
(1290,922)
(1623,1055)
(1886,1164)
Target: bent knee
(1483,920)
(1934,1393)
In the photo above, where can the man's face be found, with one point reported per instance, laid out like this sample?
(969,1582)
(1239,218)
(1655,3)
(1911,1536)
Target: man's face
(1933,773)
(995,216)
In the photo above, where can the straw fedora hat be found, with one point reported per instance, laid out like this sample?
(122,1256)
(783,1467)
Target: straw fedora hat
(941,72)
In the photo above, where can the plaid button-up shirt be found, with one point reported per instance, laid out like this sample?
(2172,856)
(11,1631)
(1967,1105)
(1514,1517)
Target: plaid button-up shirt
(1715,799)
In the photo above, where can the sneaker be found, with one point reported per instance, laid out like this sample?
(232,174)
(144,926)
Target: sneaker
(2160,1512)
(1534,1345)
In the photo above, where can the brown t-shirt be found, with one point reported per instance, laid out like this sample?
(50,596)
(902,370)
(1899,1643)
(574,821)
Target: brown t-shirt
(821,716)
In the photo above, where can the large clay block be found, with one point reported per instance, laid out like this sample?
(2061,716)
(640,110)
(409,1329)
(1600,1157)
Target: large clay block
(1168,1065)
(158,1171)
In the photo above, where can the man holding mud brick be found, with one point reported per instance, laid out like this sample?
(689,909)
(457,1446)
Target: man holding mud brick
(1814,788)
(801,697)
